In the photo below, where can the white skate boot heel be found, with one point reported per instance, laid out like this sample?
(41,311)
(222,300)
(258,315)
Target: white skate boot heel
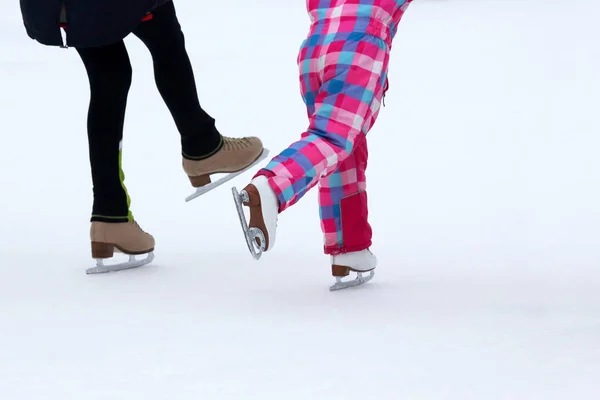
(264,209)
(357,261)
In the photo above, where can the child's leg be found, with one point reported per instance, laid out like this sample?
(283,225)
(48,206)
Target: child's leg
(343,196)
(343,204)
(351,71)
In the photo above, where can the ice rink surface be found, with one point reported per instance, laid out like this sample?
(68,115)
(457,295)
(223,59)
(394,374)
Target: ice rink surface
(484,188)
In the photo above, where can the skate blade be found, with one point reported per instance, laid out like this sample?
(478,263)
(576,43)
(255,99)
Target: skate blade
(101,268)
(230,175)
(249,233)
(360,279)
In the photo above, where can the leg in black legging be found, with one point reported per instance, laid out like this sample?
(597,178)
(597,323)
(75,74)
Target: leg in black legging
(175,81)
(109,73)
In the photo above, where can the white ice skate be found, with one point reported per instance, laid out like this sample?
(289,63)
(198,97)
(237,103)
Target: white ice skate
(264,209)
(133,262)
(230,175)
(359,262)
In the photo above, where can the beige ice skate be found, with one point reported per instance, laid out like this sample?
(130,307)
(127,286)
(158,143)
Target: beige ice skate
(124,237)
(233,158)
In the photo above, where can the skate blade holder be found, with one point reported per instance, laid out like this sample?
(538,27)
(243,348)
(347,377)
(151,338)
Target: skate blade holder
(230,175)
(359,280)
(250,234)
(133,262)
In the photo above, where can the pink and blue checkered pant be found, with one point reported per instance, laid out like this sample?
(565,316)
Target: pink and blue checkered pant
(343,78)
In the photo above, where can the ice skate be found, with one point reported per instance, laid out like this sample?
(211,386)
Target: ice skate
(124,237)
(235,157)
(264,209)
(358,262)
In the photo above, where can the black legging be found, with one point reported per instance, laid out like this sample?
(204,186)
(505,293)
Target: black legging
(109,72)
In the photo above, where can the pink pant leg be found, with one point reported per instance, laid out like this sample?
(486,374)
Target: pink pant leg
(343,204)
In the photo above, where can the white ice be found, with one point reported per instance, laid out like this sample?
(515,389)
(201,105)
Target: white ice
(485,202)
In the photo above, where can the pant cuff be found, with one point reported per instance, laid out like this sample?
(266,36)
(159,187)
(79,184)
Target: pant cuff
(202,143)
(336,250)
(103,218)
(269,174)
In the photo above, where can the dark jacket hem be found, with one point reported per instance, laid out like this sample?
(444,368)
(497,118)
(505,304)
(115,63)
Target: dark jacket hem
(42,23)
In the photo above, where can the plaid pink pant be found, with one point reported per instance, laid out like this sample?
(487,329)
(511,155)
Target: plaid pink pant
(343,78)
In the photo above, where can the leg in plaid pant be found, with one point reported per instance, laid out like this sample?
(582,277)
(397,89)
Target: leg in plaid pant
(343,78)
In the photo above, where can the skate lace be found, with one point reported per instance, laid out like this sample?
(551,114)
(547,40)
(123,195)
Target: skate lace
(134,222)
(233,144)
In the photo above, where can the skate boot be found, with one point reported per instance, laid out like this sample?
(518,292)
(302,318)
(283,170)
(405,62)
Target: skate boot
(124,237)
(264,209)
(357,261)
(233,158)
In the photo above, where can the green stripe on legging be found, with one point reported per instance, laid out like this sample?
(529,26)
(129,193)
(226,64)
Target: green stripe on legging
(122,177)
